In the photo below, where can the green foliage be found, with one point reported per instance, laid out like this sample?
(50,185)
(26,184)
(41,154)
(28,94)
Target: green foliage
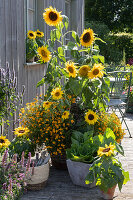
(31,47)
(116,14)
(107,171)
(9,98)
(21,144)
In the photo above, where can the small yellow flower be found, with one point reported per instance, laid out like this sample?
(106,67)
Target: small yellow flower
(96,71)
(44,54)
(87,38)
(83,71)
(56,93)
(65,115)
(52,17)
(91,117)
(39,33)
(4,142)
(20,131)
(46,104)
(22,110)
(31,34)
(108,150)
(71,69)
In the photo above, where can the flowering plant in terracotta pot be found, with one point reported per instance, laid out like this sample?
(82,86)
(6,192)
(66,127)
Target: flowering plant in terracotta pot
(107,170)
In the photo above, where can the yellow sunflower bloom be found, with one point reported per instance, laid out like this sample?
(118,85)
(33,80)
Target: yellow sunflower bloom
(87,37)
(96,71)
(46,104)
(91,117)
(52,17)
(4,142)
(65,115)
(44,54)
(71,69)
(57,93)
(31,34)
(108,150)
(83,71)
(39,33)
(20,131)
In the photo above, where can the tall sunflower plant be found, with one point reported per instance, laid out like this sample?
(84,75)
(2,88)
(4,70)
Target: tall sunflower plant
(80,75)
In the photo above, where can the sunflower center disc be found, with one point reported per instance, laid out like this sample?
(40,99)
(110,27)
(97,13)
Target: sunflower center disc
(52,16)
(21,131)
(96,71)
(38,33)
(31,34)
(57,94)
(2,141)
(70,69)
(44,53)
(106,150)
(91,117)
(86,37)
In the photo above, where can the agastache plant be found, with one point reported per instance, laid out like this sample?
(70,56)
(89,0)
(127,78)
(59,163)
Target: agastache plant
(9,98)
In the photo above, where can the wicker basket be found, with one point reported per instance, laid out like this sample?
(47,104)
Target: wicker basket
(40,177)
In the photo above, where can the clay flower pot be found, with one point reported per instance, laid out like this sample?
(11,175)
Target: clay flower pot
(109,194)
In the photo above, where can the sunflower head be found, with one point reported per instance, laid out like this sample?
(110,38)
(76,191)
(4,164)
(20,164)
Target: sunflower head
(83,71)
(44,54)
(91,117)
(39,33)
(4,142)
(65,115)
(31,34)
(87,37)
(107,150)
(46,104)
(57,93)
(96,71)
(52,17)
(20,131)
(71,69)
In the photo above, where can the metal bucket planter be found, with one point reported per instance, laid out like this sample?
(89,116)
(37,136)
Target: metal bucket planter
(78,172)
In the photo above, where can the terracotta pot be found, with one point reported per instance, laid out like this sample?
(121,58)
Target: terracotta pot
(78,172)
(109,194)
(59,161)
(30,60)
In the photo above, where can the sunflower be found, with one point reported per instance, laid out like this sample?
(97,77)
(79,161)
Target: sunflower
(83,71)
(57,93)
(39,33)
(46,104)
(91,117)
(96,71)
(4,142)
(87,37)
(65,115)
(20,131)
(44,54)
(52,17)
(108,150)
(31,34)
(71,69)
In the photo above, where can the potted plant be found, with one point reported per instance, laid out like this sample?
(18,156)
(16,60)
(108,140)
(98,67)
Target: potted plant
(107,170)
(31,46)
(80,156)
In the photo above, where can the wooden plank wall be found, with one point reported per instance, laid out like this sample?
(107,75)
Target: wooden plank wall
(12,39)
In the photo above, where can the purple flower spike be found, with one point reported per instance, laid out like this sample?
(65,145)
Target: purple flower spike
(4,159)
(22,159)
(28,162)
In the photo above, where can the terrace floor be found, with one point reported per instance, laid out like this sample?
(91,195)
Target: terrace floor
(60,187)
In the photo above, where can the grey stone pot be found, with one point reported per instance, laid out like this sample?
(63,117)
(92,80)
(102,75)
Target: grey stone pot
(78,172)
